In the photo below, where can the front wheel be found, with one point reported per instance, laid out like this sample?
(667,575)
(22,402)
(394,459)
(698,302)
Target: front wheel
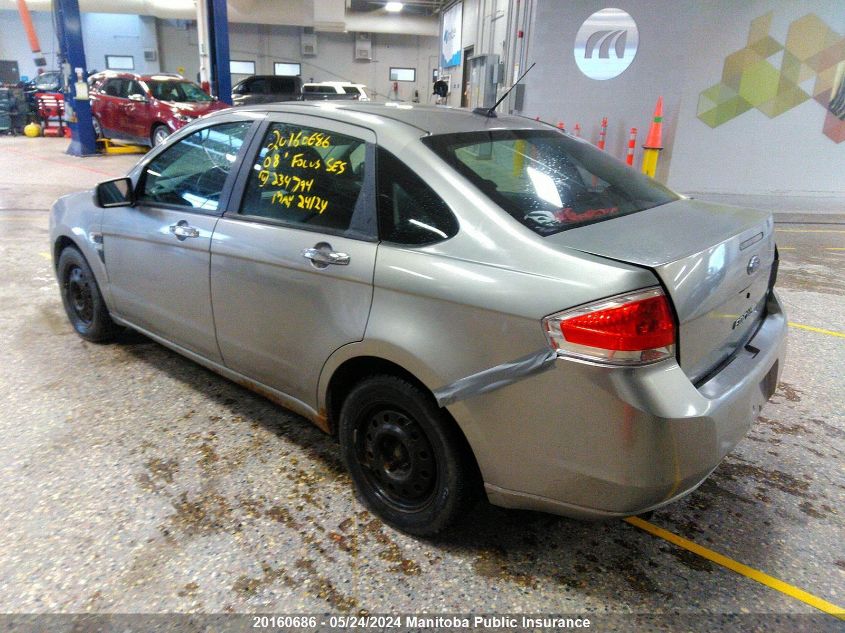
(159,135)
(409,462)
(82,299)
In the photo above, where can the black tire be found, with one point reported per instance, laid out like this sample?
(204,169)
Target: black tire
(409,463)
(158,134)
(98,128)
(82,299)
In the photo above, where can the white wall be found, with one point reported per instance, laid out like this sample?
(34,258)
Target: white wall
(266,44)
(15,46)
(683,44)
(116,34)
(484,28)
(102,33)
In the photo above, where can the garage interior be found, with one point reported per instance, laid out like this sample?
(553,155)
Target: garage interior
(135,481)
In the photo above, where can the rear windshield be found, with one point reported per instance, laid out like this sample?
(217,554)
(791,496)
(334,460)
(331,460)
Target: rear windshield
(181,91)
(547,180)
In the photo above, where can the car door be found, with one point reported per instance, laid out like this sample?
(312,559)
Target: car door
(104,108)
(135,111)
(157,252)
(292,264)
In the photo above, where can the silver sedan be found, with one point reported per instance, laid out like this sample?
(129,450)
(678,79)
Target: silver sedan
(473,304)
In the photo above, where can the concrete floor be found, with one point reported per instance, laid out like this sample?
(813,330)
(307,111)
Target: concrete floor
(135,481)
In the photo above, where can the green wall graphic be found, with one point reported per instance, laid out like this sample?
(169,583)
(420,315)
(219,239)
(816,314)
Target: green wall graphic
(750,78)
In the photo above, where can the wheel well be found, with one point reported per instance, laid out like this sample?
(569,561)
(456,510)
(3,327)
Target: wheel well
(61,244)
(354,370)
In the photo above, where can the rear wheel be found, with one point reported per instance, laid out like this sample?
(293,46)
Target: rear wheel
(98,129)
(82,299)
(159,134)
(409,463)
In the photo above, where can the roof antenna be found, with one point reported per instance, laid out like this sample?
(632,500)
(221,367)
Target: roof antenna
(491,112)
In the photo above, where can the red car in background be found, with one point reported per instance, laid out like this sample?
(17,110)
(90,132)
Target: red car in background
(145,109)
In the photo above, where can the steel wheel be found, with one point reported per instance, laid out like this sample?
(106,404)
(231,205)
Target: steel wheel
(82,299)
(409,462)
(397,459)
(79,294)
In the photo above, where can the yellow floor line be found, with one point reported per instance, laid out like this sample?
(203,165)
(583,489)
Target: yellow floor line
(745,570)
(786,248)
(818,330)
(45,255)
(834,248)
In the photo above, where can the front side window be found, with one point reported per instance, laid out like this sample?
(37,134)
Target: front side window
(548,181)
(410,212)
(113,87)
(177,91)
(258,86)
(308,178)
(192,172)
(131,87)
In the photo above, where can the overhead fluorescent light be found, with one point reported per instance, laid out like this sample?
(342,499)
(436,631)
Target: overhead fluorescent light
(393,7)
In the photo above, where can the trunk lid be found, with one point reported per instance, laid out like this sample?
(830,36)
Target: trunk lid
(713,260)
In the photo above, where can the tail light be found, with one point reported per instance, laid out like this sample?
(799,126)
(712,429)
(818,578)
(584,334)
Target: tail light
(629,329)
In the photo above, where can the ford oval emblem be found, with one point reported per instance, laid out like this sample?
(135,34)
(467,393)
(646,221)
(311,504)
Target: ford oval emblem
(753,265)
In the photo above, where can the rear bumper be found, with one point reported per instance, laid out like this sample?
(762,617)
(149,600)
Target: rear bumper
(591,441)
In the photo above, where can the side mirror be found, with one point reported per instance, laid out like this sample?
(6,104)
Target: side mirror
(138,97)
(115,193)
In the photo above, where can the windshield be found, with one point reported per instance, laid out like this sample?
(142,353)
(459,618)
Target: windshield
(48,80)
(548,181)
(181,91)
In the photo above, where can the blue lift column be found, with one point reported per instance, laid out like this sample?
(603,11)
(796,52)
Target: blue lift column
(77,105)
(218,37)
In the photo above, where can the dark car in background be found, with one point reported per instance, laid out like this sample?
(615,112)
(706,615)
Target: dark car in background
(146,109)
(266,89)
(48,81)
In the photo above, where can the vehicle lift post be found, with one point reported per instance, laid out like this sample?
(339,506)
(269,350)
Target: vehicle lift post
(77,105)
(218,44)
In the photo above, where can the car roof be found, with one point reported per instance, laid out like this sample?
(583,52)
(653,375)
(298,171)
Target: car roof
(426,118)
(118,74)
(333,83)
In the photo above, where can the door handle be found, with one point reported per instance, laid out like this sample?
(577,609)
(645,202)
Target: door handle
(322,257)
(183,231)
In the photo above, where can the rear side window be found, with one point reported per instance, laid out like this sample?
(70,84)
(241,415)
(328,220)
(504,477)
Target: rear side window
(547,180)
(282,85)
(192,172)
(410,212)
(320,89)
(307,178)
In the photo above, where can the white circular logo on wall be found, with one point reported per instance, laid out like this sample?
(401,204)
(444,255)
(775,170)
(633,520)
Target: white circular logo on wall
(606,44)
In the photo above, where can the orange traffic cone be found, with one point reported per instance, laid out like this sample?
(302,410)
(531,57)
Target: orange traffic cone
(654,141)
